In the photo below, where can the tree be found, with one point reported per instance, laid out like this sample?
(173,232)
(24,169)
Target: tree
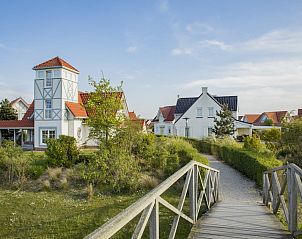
(7,112)
(104,108)
(291,140)
(224,123)
(272,138)
(268,122)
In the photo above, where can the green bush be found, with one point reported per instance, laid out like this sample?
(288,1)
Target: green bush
(252,143)
(38,165)
(62,152)
(86,156)
(250,163)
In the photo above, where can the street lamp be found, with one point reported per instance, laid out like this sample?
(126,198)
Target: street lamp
(187,128)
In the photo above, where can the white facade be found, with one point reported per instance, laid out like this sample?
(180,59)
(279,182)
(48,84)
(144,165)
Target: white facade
(53,87)
(21,107)
(164,124)
(199,118)
(194,117)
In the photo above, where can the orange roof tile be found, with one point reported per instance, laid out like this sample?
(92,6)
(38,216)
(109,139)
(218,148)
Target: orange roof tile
(250,118)
(276,117)
(77,109)
(29,112)
(132,116)
(55,62)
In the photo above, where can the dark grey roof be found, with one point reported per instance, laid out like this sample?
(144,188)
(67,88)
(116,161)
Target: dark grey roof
(183,104)
(230,101)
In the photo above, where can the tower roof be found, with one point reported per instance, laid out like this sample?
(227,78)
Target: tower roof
(55,62)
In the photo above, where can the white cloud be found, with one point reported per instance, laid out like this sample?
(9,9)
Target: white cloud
(214,43)
(261,86)
(199,28)
(281,40)
(131,49)
(181,51)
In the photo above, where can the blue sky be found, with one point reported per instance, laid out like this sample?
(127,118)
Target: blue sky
(161,49)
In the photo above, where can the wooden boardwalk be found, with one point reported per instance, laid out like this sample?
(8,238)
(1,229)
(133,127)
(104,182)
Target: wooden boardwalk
(240,214)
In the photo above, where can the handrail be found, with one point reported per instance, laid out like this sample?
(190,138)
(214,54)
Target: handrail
(207,190)
(274,193)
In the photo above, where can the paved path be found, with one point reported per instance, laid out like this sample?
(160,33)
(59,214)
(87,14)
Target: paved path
(240,213)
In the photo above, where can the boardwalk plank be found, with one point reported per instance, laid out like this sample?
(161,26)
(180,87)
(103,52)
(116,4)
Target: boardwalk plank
(240,214)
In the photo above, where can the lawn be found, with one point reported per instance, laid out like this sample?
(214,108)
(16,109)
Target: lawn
(60,214)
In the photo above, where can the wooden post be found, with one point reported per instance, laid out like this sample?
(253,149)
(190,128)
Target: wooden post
(264,188)
(192,195)
(154,221)
(14,137)
(292,194)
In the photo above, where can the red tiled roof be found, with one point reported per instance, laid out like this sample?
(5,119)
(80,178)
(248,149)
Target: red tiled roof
(29,112)
(132,116)
(18,99)
(276,117)
(7,124)
(77,109)
(55,62)
(168,112)
(250,118)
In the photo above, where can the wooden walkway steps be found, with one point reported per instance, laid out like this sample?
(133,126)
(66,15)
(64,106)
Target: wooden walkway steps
(240,214)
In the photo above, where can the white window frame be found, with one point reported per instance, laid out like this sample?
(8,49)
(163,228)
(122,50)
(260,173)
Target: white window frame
(48,81)
(199,111)
(48,134)
(211,111)
(48,110)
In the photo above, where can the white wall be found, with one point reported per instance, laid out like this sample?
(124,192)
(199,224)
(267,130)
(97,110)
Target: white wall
(166,126)
(198,126)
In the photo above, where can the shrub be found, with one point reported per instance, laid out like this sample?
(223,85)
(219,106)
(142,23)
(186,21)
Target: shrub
(272,138)
(252,143)
(62,152)
(148,182)
(250,163)
(38,165)
(14,162)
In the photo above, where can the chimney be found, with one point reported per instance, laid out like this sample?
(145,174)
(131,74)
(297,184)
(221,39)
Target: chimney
(300,112)
(204,90)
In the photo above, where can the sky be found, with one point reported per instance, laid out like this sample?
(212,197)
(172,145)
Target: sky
(160,49)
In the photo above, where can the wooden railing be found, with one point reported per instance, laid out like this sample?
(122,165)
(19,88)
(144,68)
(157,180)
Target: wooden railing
(275,195)
(203,186)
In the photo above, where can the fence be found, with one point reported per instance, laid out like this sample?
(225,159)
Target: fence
(201,189)
(275,183)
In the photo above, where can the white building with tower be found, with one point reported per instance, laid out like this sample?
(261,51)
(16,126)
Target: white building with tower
(58,108)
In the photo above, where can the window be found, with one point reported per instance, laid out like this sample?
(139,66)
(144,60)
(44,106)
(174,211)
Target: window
(211,112)
(40,74)
(56,74)
(199,112)
(161,130)
(187,132)
(48,109)
(169,130)
(48,79)
(210,131)
(47,134)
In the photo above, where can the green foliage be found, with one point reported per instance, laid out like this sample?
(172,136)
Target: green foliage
(272,138)
(13,162)
(252,143)
(224,123)
(291,140)
(250,163)
(38,165)
(62,152)
(7,112)
(268,122)
(104,105)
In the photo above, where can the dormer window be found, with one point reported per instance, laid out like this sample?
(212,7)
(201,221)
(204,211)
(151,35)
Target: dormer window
(48,79)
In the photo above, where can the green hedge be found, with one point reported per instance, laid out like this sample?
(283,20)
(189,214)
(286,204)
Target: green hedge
(250,163)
